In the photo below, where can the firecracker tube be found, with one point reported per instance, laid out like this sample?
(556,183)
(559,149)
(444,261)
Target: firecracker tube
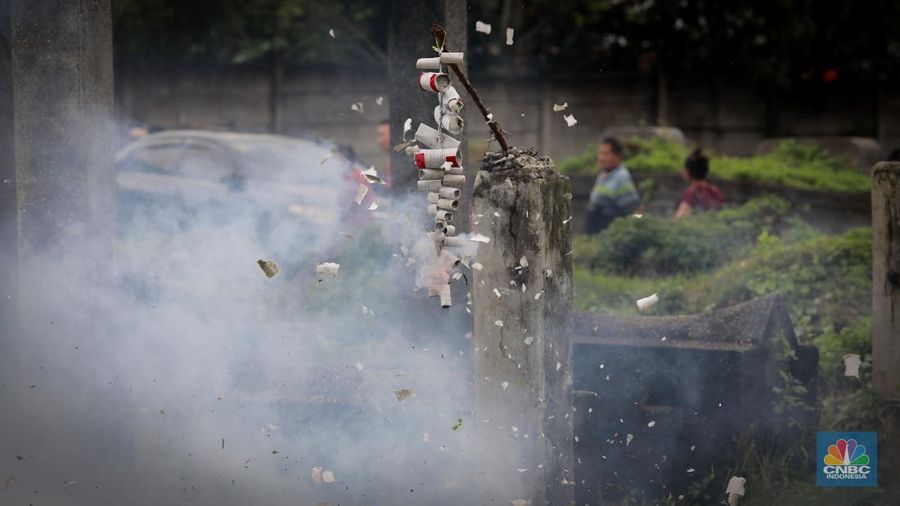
(450,101)
(450,205)
(433,198)
(430,174)
(436,158)
(432,209)
(429,63)
(446,192)
(429,137)
(444,292)
(440,226)
(455,171)
(450,230)
(434,82)
(444,215)
(454,241)
(451,58)
(429,185)
(452,123)
(453,181)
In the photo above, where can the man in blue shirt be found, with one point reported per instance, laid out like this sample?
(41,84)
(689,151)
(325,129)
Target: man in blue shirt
(614,193)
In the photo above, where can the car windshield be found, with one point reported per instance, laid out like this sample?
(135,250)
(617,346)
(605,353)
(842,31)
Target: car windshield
(291,160)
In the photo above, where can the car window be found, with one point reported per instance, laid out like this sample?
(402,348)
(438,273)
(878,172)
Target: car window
(203,162)
(156,159)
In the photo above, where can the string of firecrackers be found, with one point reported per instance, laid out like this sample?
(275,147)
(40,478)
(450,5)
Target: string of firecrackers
(441,174)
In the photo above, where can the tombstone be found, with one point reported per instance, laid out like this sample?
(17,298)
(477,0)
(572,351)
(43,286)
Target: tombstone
(682,387)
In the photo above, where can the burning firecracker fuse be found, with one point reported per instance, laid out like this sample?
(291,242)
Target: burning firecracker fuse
(439,163)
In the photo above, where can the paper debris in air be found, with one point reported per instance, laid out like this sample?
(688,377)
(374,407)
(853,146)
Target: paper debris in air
(851,364)
(509,36)
(372,176)
(328,269)
(628,438)
(504,385)
(404,394)
(373,206)
(407,126)
(651,423)
(361,192)
(331,32)
(497,293)
(327,476)
(316,474)
(480,238)
(359,365)
(646,302)
(736,486)
(484,28)
(379,100)
(458,424)
(557,108)
(570,120)
(358,107)
(498,323)
(268,267)
(477,266)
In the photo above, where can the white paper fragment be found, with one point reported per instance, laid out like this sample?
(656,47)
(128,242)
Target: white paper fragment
(497,293)
(628,438)
(646,302)
(524,288)
(568,220)
(528,341)
(538,295)
(379,100)
(327,476)
(557,108)
(498,323)
(425,437)
(407,126)
(484,28)
(358,107)
(373,206)
(570,120)
(690,470)
(480,238)
(316,474)
(372,176)
(558,365)
(504,385)
(736,486)
(523,262)
(851,365)
(522,469)
(328,269)
(361,192)
(651,423)
(331,32)
(456,276)
(477,266)
(509,36)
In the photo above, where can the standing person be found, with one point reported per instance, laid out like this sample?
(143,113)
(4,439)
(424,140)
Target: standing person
(700,195)
(384,143)
(614,193)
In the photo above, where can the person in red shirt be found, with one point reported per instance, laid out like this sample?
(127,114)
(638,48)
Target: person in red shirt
(700,195)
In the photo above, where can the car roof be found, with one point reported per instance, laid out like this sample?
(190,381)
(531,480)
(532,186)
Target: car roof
(231,141)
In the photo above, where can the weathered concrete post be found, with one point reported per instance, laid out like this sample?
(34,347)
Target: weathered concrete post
(523,329)
(886,302)
(64,140)
(409,38)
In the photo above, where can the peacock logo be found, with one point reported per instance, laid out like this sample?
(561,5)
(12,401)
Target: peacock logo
(846,452)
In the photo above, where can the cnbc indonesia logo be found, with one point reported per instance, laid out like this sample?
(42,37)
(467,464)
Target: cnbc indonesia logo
(846,460)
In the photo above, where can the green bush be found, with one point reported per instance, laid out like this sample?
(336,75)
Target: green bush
(652,245)
(790,165)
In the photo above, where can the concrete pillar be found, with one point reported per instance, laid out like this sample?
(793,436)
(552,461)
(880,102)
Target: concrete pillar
(523,337)
(64,139)
(886,279)
(409,38)
(8,250)
(886,305)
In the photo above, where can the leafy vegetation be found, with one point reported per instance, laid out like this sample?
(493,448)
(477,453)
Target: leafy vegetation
(712,261)
(790,164)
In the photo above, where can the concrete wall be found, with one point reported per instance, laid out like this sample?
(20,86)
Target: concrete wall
(727,117)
